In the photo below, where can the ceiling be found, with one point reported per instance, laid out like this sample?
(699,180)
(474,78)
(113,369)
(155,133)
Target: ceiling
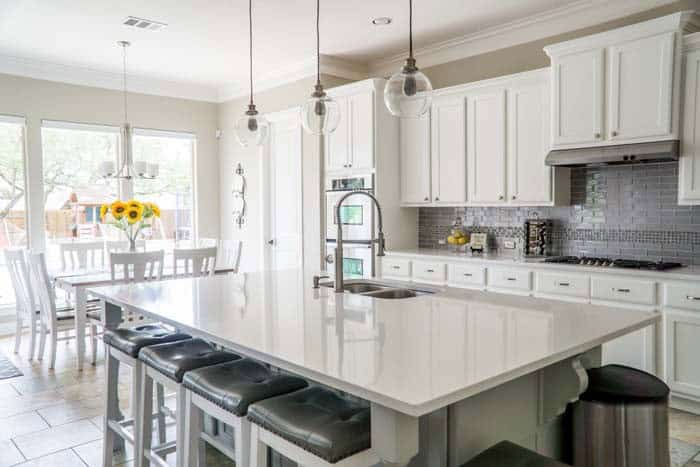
(206,41)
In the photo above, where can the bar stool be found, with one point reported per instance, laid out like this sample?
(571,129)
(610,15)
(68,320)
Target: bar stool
(312,427)
(225,392)
(507,454)
(166,364)
(123,346)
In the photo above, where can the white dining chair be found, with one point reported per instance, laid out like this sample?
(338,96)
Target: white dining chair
(229,254)
(137,267)
(82,255)
(53,319)
(194,262)
(122,246)
(25,300)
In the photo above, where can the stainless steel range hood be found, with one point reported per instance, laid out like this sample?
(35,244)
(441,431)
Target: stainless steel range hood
(639,153)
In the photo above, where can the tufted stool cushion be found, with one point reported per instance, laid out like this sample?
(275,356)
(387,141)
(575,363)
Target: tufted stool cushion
(317,420)
(235,385)
(177,358)
(131,341)
(507,454)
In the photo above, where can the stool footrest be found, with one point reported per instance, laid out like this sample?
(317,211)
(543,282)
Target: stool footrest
(120,429)
(225,449)
(157,453)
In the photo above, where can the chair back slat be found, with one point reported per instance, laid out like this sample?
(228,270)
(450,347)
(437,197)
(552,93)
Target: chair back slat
(230,254)
(44,288)
(195,261)
(18,268)
(137,267)
(82,255)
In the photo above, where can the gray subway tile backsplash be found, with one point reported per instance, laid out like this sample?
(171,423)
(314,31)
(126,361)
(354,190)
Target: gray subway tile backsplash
(627,211)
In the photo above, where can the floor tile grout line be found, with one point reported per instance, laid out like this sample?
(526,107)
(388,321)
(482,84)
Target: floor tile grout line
(19,451)
(78,454)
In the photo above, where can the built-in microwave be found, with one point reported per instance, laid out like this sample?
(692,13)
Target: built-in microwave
(356,213)
(357,259)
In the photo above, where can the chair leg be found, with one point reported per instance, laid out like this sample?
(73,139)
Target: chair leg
(111,411)
(160,401)
(18,334)
(93,341)
(54,343)
(32,337)
(181,422)
(42,341)
(193,432)
(258,449)
(144,419)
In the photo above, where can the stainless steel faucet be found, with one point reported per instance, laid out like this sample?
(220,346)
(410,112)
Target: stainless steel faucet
(339,245)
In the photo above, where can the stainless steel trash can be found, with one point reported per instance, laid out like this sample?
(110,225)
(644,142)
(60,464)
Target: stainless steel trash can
(622,420)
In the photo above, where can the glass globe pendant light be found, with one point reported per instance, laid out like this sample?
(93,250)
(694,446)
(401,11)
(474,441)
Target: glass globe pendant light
(408,93)
(251,128)
(320,114)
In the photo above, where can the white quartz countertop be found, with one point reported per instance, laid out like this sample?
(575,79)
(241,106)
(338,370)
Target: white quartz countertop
(412,355)
(691,273)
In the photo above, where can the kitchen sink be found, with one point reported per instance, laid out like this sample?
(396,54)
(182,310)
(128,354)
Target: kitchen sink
(379,290)
(393,293)
(363,287)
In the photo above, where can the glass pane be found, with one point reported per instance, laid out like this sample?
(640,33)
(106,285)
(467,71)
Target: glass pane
(73,190)
(13,231)
(172,190)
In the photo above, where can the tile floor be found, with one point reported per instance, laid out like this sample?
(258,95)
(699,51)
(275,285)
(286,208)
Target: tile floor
(53,418)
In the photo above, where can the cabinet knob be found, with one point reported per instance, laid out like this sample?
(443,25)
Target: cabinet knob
(437,199)
(501,197)
(426,198)
(513,197)
(613,133)
(597,136)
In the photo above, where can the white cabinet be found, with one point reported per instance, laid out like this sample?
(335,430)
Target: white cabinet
(431,272)
(396,268)
(619,289)
(517,281)
(689,166)
(636,349)
(351,145)
(682,350)
(577,90)
(486,146)
(448,155)
(415,160)
(641,87)
(471,276)
(619,86)
(563,285)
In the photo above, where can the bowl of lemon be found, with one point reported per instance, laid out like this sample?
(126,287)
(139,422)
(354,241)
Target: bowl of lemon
(458,239)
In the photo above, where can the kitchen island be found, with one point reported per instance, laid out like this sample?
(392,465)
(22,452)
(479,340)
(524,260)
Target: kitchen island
(447,374)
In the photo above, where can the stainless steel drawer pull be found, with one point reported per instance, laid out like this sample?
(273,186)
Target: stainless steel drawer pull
(512,279)
(429,270)
(564,284)
(468,274)
(623,290)
(691,297)
(396,267)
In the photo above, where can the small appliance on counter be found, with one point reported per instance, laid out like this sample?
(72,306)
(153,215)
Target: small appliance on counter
(538,235)
(479,242)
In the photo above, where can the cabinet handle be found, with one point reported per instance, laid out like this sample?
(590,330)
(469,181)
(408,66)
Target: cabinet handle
(349,165)
(597,136)
(622,290)
(514,197)
(512,279)
(427,198)
(437,199)
(693,298)
(564,284)
(501,197)
(396,267)
(468,274)
(613,133)
(430,270)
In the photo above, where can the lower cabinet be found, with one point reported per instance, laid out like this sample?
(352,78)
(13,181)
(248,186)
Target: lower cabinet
(682,351)
(636,350)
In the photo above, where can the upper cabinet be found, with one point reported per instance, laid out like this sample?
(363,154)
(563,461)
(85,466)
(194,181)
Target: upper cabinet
(351,145)
(483,144)
(689,166)
(620,86)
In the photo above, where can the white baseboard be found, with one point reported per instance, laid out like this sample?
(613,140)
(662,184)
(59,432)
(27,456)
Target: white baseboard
(685,403)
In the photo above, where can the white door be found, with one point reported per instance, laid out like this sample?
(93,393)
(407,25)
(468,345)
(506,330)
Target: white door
(361,116)
(284,219)
(529,179)
(448,151)
(682,350)
(577,84)
(338,142)
(486,147)
(641,85)
(415,159)
(689,168)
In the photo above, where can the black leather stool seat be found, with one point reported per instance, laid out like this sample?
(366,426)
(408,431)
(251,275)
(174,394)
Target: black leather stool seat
(131,341)
(233,386)
(317,420)
(176,358)
(622,384)
(507,454)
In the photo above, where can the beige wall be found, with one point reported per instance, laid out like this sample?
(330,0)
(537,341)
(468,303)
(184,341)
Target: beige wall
(231,153)
(37,99)
(530,56)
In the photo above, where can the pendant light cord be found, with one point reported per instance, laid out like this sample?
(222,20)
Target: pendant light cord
(250,38)
(126,113)
(318,42)
(410,28)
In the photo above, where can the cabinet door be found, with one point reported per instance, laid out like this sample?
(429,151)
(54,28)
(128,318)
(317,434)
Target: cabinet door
(635,350)
(338,142)
(361,116)
(529,179)
(641,88)
(486,147)
(415,160)
(682,350)
(448,151)
(689,168)
(577,83)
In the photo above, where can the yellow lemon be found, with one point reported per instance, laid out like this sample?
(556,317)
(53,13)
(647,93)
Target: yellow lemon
(462,241)
(451,240)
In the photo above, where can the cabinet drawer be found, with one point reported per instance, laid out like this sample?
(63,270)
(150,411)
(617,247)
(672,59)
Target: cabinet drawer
(571,285)
(623,290)
(466,275)
(685,296)
(516,279)
(429,271)
(396,267)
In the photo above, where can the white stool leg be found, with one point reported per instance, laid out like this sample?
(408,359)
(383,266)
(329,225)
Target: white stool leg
(134,393)
(111,410)
(181,421)
(145,418)
(242,441)
(258,449)
(160,403)
(93,341)
(42,341)
(195,449)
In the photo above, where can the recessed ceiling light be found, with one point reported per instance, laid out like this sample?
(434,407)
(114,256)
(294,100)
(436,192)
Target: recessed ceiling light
(141,23)
(381,21)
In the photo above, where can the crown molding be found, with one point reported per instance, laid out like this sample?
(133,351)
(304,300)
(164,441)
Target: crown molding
(55,72)
(578,15)
(294,72)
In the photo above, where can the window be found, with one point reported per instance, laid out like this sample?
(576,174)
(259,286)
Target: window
(173,189)
(73,190)
(13,213)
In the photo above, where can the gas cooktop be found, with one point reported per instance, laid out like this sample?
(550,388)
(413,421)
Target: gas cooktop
(614,263)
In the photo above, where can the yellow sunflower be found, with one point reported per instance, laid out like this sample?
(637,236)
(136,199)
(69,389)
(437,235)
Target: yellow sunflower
(154,209)
(134,214)
(118,209)
(132,203)
(104,209)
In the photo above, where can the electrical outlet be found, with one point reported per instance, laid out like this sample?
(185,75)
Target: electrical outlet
(509,244)
(441,242)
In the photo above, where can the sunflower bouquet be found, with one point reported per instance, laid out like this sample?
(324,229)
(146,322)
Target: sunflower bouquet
(129,216)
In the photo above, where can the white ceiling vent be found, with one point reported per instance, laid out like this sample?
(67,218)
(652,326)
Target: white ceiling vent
(146,24)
